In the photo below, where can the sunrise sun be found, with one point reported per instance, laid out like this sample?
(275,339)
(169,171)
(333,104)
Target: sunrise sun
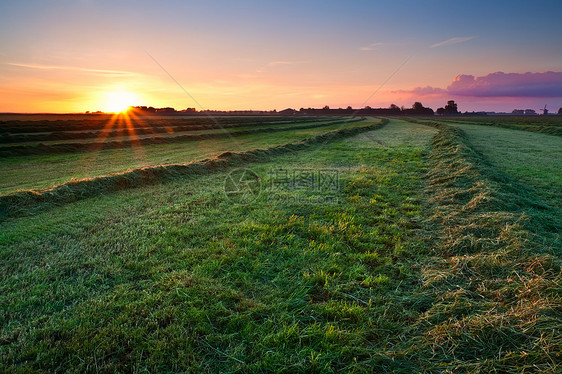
(120,101)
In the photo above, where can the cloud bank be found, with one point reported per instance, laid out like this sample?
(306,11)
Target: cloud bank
(499,84)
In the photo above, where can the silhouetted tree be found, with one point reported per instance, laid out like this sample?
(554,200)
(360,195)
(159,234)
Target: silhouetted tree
(419,109)
(417,106)
(441,111)
(451,107)
(394,109)
(560,111)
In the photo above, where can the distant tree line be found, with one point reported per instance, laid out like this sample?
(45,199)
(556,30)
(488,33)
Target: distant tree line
(392,110)
(532,112)
(417,109)
(521,112)
(193,111)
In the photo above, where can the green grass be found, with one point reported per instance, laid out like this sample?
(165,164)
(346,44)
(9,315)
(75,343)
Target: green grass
(120,132)
(533,159)
(435,257)
(495,275)
(173,277)
(539,124)
(44,171)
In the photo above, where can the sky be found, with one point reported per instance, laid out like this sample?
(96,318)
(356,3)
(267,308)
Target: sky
(81,55)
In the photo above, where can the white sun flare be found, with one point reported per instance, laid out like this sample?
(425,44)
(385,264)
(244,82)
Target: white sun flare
(119,101)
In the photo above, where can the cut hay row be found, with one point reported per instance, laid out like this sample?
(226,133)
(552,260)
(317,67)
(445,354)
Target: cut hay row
(124,131)
(142,127)
(495,274)
(30,202)
(59,148)
(20,127)
(549,129)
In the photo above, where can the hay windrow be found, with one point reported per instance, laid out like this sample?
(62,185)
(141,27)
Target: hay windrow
(62,128)
(60,148)
(31,202)
(495,274)
(552,129)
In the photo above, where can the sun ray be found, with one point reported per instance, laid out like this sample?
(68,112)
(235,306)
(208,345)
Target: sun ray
(121,126)
(105,132)
(91,156)
(136,145)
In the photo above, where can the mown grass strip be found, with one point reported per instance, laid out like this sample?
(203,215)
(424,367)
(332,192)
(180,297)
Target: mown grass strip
(84,124)
(548,127)
(29,202)
(495,275)
(25,150)
(141,128)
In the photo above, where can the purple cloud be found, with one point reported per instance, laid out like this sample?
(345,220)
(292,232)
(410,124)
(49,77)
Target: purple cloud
(499,84)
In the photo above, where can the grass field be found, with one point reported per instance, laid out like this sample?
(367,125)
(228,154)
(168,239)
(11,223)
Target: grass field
(497,273)
(436,249)
(43,171)
(122,132)
(548,125)
(533,159)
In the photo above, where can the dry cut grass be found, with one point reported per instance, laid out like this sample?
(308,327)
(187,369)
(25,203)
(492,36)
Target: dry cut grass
(495,276)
